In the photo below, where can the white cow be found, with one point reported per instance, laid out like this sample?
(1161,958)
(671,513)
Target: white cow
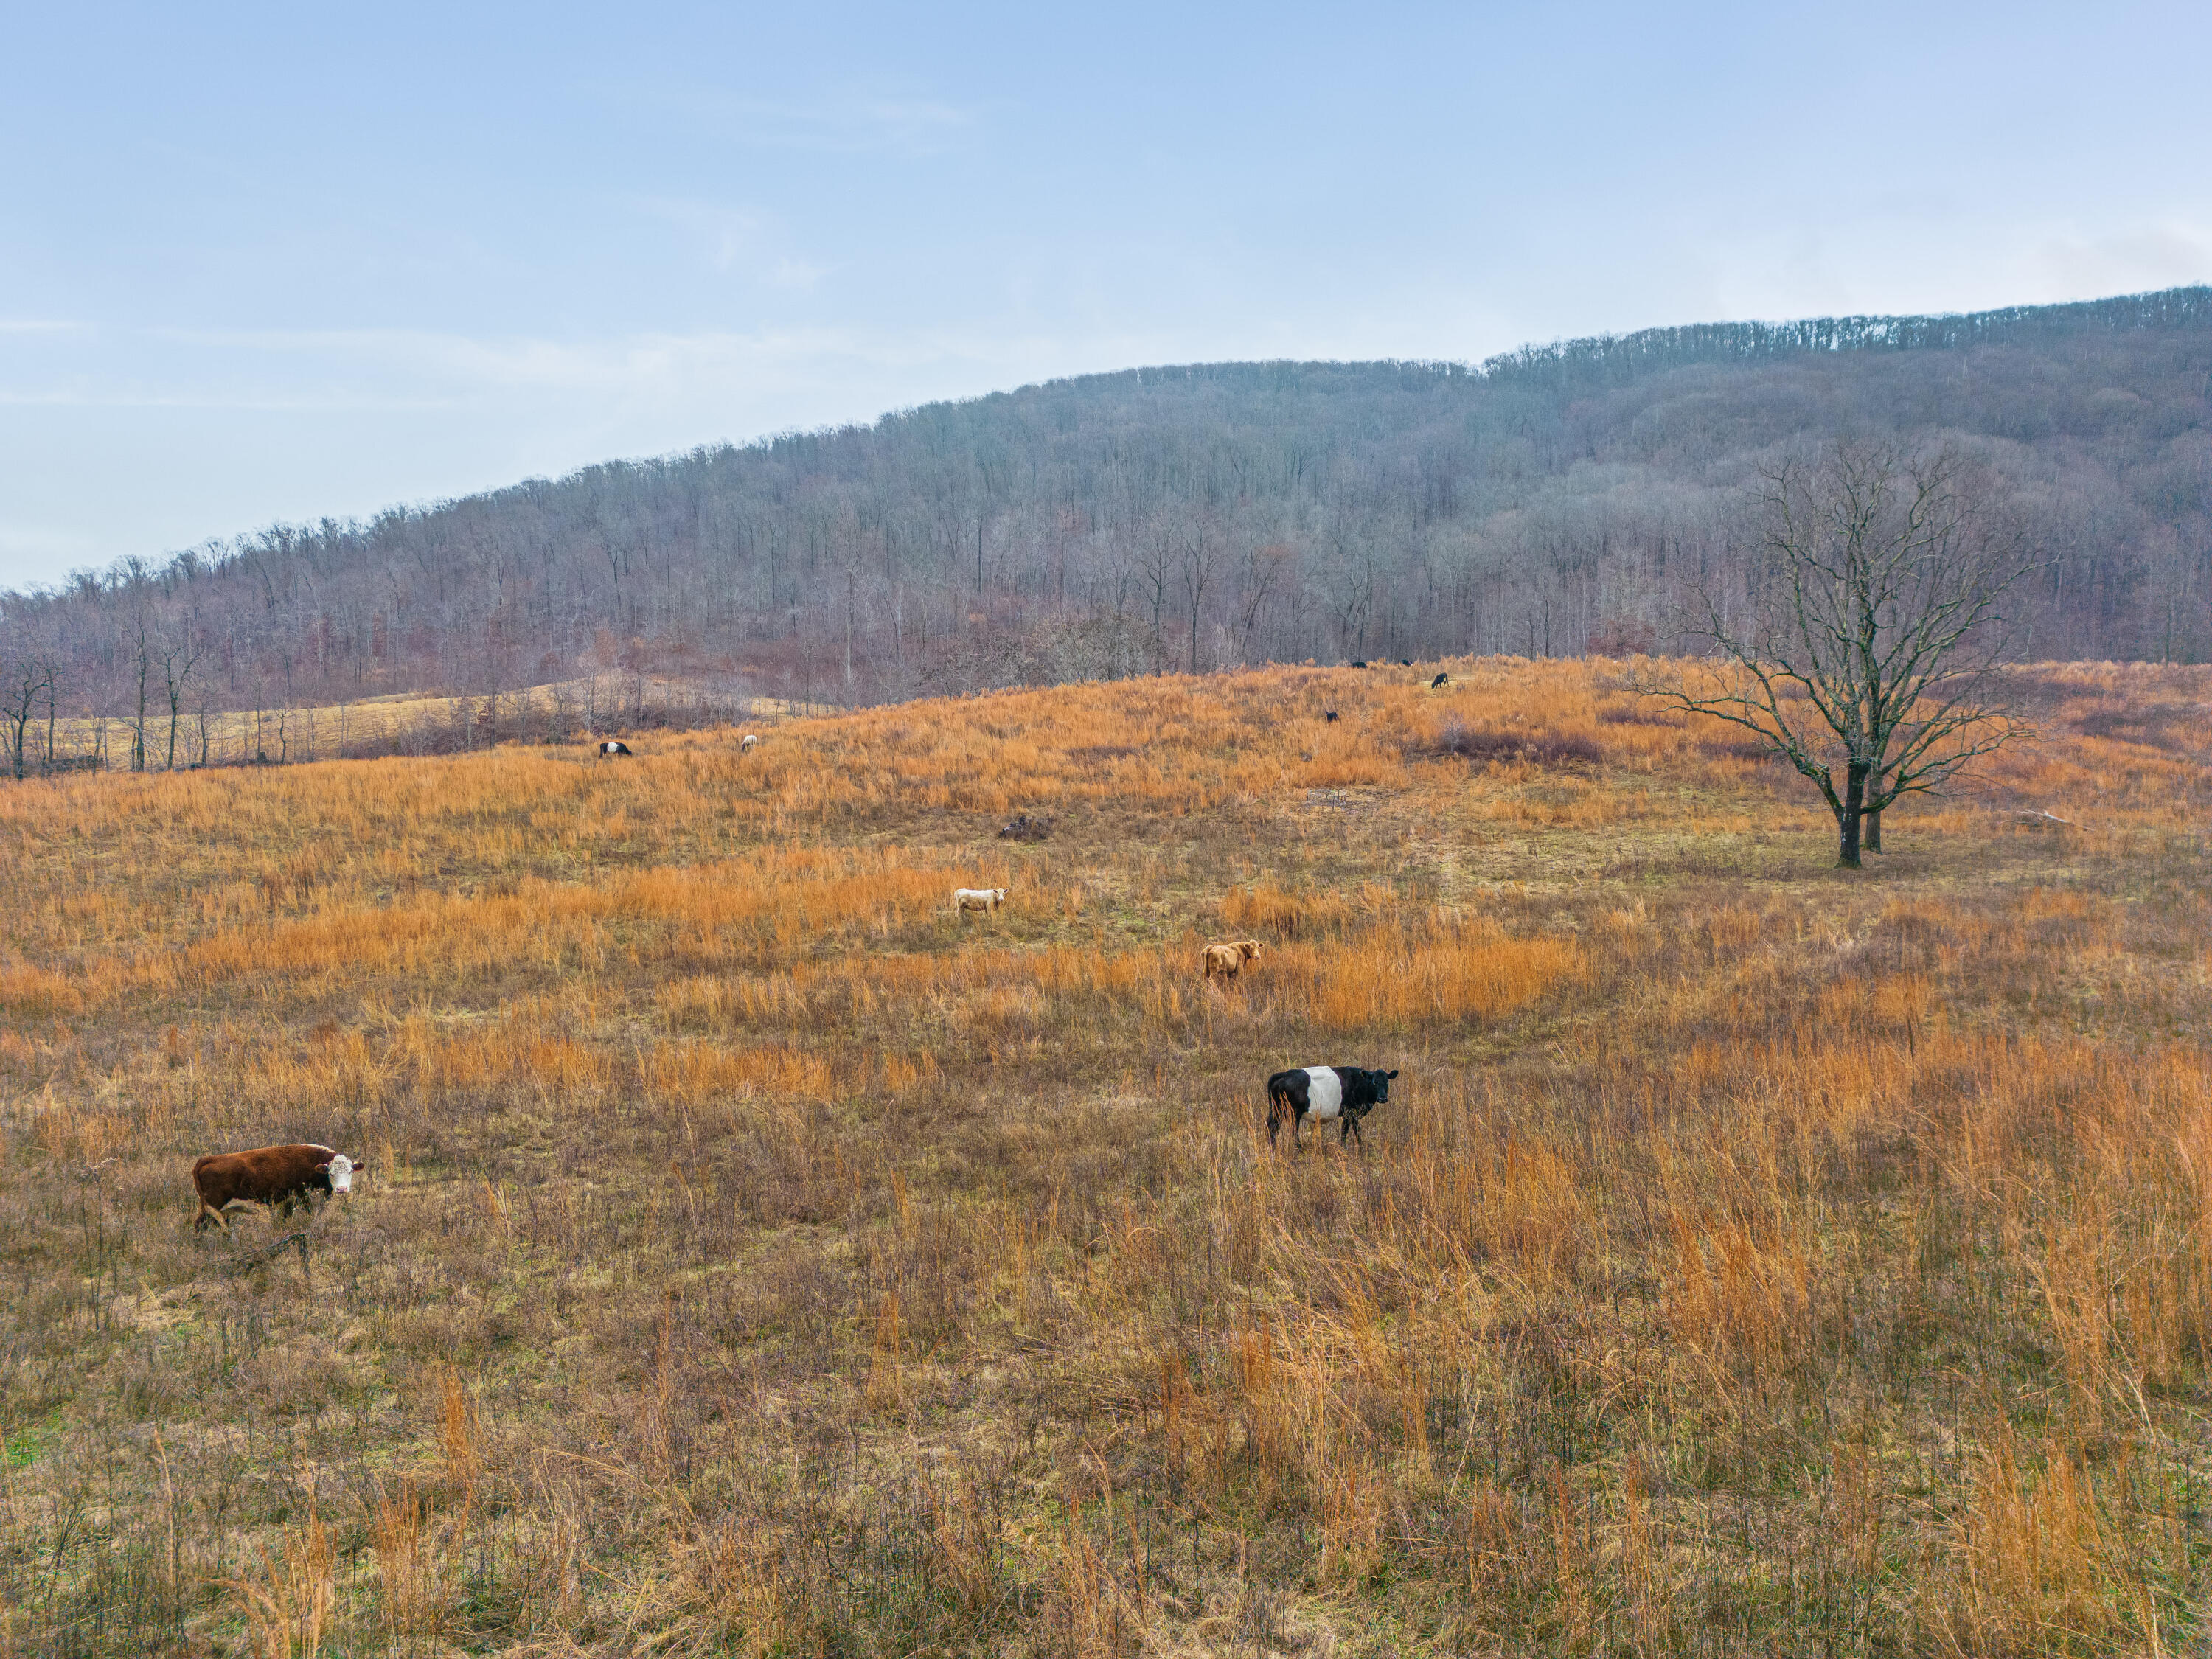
(750,741)
(965,899)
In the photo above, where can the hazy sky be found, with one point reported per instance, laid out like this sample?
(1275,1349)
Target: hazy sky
(265,262)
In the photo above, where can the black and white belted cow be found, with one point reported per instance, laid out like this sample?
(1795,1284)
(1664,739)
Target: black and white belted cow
(1346,1093)
(614,746)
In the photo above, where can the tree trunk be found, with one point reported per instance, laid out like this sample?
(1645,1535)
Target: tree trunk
(138,726)
(1854,800)
(1870,833)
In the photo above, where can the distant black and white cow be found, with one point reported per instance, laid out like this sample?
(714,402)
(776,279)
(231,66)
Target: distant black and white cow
(277,1175)
(1346,1093)
(613,746)
(750,741)
(1440,680)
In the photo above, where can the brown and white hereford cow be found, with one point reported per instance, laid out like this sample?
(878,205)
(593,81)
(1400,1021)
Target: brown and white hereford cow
(277,1175)
(1228,961)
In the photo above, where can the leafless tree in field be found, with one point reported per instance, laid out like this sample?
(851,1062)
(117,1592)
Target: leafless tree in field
(26,673)
(1867,638)
(180,656)
(203,731)
(139,640)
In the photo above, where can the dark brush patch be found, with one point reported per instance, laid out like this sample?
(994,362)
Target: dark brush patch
(1481,747)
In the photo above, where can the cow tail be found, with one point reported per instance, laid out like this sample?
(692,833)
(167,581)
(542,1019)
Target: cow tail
(1279,1107)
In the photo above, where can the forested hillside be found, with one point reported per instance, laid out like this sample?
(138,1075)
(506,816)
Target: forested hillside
(1545,503)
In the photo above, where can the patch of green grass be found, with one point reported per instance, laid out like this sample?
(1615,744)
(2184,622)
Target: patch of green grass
(26,1445)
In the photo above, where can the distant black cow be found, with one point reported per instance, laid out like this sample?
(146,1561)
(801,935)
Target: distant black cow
(1360,662)
(1441,679)
(1404,662)
(612,747)
(279,1175)
(1346,1093)
(1328,714)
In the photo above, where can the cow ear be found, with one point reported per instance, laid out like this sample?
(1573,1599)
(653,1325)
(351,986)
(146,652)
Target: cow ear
(323,1167)
(1389,1074)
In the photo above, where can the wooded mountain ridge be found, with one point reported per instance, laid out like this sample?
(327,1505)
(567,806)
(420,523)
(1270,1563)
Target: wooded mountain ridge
(1549,502)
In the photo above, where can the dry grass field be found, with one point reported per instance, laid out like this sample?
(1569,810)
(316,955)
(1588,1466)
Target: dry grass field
(399,723)
(754,1258)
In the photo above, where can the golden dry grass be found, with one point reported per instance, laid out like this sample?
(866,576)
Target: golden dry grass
(396,722)
(756,1257)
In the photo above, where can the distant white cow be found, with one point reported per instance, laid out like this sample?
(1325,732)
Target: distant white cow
(965,899)
(750,741)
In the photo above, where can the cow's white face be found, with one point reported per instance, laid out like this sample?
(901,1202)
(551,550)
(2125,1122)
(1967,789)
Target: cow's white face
(341,1171)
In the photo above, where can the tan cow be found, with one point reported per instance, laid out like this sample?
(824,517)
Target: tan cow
(1227,960)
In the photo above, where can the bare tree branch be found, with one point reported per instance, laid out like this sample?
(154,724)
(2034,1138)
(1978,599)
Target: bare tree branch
(1875,629)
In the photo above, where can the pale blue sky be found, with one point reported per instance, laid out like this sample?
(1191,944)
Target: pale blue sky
(262,263)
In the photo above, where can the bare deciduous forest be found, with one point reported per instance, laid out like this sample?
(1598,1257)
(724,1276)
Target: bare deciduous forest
(1548,503)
